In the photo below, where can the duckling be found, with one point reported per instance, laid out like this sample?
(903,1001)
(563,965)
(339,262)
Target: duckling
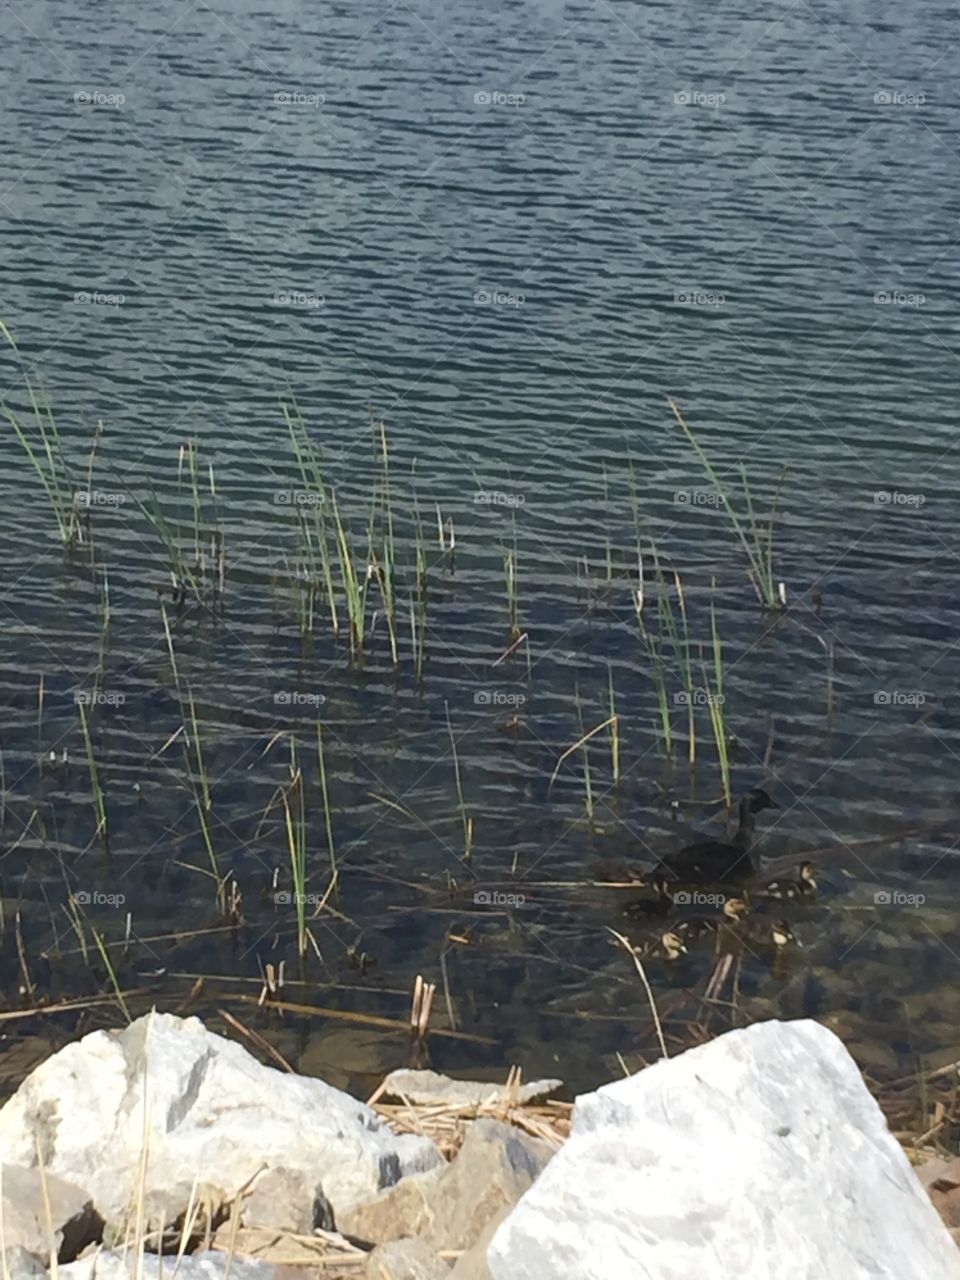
(777,935)
(805,885)
(734,910)
(713,860)
(669,946)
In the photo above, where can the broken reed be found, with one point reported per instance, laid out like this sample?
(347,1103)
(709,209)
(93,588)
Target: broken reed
(614,730)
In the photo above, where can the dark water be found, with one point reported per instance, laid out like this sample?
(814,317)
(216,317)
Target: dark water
(510,235)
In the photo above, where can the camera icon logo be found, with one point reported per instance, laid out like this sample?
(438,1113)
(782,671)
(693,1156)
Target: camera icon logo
(282,898)
(683,898)
(882,898)
(481,898)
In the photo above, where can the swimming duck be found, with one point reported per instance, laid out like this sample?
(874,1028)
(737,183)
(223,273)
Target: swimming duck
(804,886)
(713,860)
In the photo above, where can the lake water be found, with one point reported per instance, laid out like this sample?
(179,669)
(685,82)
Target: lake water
(510,236)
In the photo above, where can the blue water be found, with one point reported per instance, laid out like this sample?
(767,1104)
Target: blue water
(511,235)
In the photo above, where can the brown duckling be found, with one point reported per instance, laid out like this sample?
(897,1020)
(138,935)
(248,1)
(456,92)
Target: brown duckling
(804,886)
(734,910)
(777,934)
(669,946)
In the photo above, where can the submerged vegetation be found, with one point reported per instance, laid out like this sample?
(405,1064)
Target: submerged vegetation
(235,780)
(360,578)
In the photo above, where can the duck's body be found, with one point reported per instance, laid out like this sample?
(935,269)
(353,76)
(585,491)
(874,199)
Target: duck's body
(713,861)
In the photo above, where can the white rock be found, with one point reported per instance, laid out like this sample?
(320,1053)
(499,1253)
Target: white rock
(759,1155)
(197,1266)
(212,1113)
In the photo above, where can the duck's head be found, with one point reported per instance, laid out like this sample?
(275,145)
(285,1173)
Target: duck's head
(807,876)
(758,799)
(781,935)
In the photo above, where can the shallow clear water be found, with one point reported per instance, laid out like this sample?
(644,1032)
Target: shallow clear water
(755,215)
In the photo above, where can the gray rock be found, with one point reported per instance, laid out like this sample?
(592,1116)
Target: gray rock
(110,1265)
(283,1198)
(429,1086)
(760,1154)
(21,1265)
(405,1260)
(26,1223)
(450,1208)
(213,1113)
(472,1264)
(495,1166)
(402,1210)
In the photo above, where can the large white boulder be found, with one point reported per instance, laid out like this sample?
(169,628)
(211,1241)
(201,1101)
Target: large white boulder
(207,1109)
(759,1155)
(109,1265)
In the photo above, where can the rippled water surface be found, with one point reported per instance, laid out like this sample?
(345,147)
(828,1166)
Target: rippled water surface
(509,234)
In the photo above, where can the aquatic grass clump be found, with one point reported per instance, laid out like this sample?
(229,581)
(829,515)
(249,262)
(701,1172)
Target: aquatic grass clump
(316,575)
(193,538)
(756,539)
(40,440)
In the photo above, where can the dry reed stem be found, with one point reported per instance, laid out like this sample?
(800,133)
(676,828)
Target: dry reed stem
(577,745)
(631,951)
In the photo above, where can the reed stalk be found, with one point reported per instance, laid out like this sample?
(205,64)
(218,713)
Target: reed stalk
(99,803)
(111,974)
(716,700)
(587,780)
(327,814)
(296,827)
(464,816)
